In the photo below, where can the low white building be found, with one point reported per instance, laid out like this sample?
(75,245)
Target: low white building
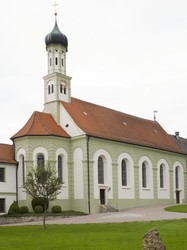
(8,177)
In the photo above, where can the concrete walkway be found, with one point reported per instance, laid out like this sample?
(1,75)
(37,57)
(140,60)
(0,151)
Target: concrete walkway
(152,213)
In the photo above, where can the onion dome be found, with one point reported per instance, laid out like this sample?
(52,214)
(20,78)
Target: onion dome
(56,37)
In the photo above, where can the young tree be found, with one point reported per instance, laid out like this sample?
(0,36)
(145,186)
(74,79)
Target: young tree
(43,182)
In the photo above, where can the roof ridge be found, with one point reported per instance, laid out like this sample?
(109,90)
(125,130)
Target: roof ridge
(32,121)
(114,110)
(42,122)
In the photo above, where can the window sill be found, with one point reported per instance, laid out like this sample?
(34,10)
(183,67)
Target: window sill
(125,187)
(146,189)
(163,189)
(102,186)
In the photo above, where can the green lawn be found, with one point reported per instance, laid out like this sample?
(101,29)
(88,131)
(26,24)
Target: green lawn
(108,236)
(177,208)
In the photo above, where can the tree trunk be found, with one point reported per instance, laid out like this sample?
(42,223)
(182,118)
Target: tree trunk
(44,216)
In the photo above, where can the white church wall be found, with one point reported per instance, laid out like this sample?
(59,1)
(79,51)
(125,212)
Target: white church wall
(68,124)
(78,174)
(126,192)
(163,192)
(65,187)
(146,192)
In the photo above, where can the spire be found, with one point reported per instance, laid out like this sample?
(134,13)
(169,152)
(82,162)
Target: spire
(56,36)
(55,5)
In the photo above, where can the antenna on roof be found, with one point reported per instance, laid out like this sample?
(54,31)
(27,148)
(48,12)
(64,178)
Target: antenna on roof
(155,111)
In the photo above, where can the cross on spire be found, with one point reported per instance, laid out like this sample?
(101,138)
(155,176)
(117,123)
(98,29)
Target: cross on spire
(55,7)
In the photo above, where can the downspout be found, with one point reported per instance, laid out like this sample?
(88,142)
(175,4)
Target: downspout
(17,164)
(17,183)
(88,173)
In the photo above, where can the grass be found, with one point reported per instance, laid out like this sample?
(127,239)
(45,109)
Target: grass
(114,236)
(177,208)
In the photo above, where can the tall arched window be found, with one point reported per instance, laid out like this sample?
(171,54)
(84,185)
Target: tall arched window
(177,177)
(49,89)
(100,170)
(162,176)
(144,175)
(124,172)
(22,161)
(60,168)
(40,160)
(61,88)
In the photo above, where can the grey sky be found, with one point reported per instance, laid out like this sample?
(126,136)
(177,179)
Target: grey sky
(128,55)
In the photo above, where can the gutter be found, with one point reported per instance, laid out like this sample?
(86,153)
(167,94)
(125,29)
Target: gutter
(88,172)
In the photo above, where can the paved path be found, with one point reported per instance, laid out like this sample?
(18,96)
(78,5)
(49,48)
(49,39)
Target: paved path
(134,214)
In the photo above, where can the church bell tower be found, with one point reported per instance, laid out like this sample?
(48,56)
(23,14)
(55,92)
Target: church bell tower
(57,85)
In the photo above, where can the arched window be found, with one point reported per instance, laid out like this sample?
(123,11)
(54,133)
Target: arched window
(61,88)
(124,172)
(162,176)
(56,60)
(60,168)
(100,170)
(40,160)
(177,177)
(52,88)
(49,89)
(65,90)
(22,165)
(144,175)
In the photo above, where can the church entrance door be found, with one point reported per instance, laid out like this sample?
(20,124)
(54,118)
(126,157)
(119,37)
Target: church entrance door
(177,197)
(102,196)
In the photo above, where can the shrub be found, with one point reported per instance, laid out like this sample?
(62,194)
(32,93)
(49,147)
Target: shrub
(38,209)
(56,209)
(39,201)
(13,209)
(24,210)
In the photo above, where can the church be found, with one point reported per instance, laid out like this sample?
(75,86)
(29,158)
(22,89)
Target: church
(107,160)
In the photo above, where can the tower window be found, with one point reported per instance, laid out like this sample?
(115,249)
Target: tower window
(52,88)
(49,89)
(50,62)
(56,60)
(65,90)
(62,62)
(61,88)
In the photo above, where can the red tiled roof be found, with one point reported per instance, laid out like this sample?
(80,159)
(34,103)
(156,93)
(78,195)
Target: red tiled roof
(106,123)
(7,153)
(41,123)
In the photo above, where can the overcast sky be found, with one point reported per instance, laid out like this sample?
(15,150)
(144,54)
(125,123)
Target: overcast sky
(128,55)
